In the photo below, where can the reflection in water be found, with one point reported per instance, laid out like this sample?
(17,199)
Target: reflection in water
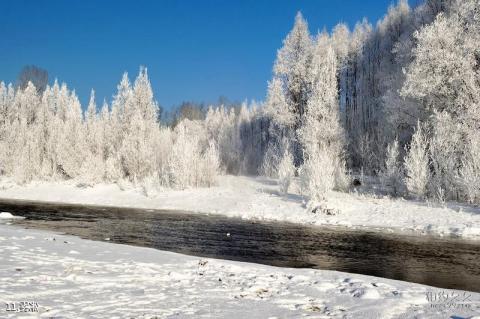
(448,262)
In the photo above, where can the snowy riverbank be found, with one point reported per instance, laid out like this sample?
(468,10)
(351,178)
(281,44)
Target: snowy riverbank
(259,198)
(75,278)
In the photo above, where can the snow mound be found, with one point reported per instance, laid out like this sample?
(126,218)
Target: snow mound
(7,215)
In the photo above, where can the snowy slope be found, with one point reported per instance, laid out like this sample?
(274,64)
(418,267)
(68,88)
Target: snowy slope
(76,278)
(259,198)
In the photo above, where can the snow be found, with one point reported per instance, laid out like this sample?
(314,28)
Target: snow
(76,278)
(259,198)
(6,215)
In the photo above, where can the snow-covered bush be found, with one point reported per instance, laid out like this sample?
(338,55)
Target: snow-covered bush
(417,170)
(211,165)
(150,185)
(192,162)
(470,171)
(286,171)
(93,169)
(162,144)
(184,160)
(392,175)
(317,175)
(113,170)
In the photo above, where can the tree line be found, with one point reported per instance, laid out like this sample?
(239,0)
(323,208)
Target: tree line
(399,101)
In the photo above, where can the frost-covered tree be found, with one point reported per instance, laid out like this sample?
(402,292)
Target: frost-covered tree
(317,175)
(7,96)
(444,73)
(417,65)
(223,128)
(341,43)
(93,167)
(143,97)
(286,171)
(123,101)
(27,103)
(417,169)
(392,173)
(271,160)
(91,113)
(469,176)
(278,108)
(372,82)
(446,154)
(282,126)
(321,134)
(443,77)
(321,126)
(211,165)
(47,136)
(71,146)
(140,116)
(4,110)
(184,160)
(350,98)
(136,153)
(93,128)
(24,143)
(292,64)
(289,89)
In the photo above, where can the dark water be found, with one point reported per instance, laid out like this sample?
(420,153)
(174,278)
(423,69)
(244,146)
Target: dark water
(441,262)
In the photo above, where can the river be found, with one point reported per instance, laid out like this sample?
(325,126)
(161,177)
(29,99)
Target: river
(440,262)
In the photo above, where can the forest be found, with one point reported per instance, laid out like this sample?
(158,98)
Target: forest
(398,102)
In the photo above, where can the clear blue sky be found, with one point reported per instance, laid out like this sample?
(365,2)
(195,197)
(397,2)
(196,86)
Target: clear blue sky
(194,50)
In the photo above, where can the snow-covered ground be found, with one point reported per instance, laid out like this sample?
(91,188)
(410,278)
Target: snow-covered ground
(70,277)
(259,198)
